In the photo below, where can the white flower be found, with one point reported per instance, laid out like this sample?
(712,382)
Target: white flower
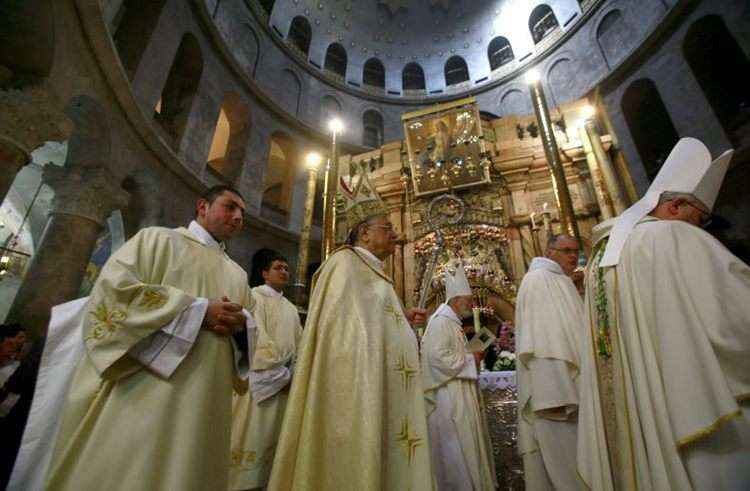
(505,354)
(512,356)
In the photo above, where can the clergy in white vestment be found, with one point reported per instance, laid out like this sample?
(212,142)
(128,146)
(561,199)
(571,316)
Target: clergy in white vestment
(549,324)
(257,415)
(459,441)
(665,360)
(149,406)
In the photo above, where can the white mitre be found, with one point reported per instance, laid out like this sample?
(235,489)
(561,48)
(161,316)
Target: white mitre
(456,284)
(688,169)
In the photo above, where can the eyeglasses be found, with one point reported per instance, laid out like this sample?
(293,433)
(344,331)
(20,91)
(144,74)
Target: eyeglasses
(566,250)
(705,222)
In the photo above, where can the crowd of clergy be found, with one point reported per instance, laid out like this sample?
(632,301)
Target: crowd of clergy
(176,374)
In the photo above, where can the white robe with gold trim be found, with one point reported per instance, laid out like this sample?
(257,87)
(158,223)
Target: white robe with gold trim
(668,408)
(257,415)
(134,419)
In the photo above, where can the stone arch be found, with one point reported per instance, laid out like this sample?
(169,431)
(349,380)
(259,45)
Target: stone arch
(173,109)
(300,34)
(133,33)
(249,50)
(373,73)
(330,107)
(456,71)
(291,97)
(412,77)
(717,61)
(278,182)
(372,128)
(542,22)
(515,102)
(614,37)
(499,52)
(231,134)
(562,80)
(649,123)
(336,60)
(27,47)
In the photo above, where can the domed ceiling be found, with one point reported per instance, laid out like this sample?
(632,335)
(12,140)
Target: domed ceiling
(428,32)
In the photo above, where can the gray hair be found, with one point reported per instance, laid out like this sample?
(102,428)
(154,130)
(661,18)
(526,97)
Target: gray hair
(552,240)
(356,230)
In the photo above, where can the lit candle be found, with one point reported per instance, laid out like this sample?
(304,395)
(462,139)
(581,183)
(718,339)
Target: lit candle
(477,325)
(533,223)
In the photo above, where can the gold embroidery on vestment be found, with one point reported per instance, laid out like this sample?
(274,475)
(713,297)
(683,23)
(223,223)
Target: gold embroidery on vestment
(152,299)
(408,440)
(106,322)
(405,370)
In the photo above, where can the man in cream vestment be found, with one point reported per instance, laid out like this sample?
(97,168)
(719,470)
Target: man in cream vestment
(665,361)
(459,440)
(149,406)
(355,418)
(257,415)
(549,323)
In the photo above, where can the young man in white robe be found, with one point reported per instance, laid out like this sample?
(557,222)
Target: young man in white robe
(459,441)
(549,324)
(665,363)
(257,415)
(163,335)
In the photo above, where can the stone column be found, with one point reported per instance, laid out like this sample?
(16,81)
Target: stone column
(12,158)
(602,198)
(83,201)
(608,172)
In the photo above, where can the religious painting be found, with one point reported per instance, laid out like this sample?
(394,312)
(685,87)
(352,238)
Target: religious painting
(446,147)
(111,238)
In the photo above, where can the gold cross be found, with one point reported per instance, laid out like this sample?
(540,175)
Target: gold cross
(405,370)
(396,313)
(410,441)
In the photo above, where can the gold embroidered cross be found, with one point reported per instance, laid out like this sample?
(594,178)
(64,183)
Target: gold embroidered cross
(405,370)
(152,299)
(410,441)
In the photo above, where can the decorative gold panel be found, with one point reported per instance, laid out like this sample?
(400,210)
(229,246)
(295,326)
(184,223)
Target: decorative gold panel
(446,147)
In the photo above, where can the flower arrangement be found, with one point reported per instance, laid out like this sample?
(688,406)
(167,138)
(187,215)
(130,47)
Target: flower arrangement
(505,347)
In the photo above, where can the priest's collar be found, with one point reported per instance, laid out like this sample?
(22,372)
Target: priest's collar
(270,291)
(445,310)
(204,237)
(370,256)
(545,264)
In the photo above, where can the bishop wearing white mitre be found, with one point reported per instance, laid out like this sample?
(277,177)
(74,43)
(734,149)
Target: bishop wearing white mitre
(459,441)
(665,362)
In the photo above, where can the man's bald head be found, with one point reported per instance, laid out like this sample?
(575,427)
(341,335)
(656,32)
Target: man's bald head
(564,250)
(683,207)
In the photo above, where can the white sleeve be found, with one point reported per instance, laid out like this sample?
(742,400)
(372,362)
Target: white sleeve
(163,351)
(267,383)
(469,370)
(242,362)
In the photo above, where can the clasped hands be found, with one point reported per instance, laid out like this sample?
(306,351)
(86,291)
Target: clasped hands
(224,317)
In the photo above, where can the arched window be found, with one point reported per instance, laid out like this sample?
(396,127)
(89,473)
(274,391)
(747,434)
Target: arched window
(650,125)
(372,134)
(300,34)
(227,152)
(542,22)
(374,73)
(336,60)
(279,179)
(137,21)
(456,71)
(412,77)
(267,6)
(183,80)
(614,38)
(717,62)
(499,52)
